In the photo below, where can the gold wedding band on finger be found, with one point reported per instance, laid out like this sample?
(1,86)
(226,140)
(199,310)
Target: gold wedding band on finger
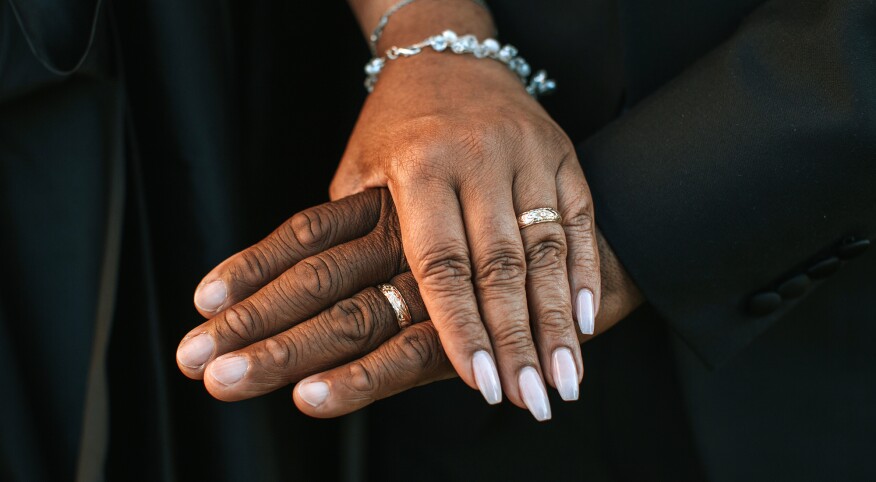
(537,216)
(393,295)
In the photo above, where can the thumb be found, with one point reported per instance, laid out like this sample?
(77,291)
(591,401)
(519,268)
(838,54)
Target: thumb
(354,176)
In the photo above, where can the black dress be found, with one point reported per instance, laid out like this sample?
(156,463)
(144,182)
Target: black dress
(729,145)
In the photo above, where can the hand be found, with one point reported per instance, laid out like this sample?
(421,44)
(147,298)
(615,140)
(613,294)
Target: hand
(254,337)
(464,149)
(415,357)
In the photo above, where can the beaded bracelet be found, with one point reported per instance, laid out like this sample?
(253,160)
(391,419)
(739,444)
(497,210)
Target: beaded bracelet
(538,85)
(381,24)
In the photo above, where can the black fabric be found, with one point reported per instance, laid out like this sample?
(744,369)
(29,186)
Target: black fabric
(58,33)
(729,146)
(755,160)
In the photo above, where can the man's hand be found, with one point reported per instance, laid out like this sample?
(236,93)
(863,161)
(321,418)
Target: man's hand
(303,301)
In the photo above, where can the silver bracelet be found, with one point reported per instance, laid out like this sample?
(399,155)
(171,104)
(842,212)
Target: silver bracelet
(538,85)
(381,24)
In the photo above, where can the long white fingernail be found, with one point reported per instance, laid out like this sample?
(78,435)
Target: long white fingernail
(566,374)
(210,296)
(314,393)
(533,394)
(585,312)
(487,377)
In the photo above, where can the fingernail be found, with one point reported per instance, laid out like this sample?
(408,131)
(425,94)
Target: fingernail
(195,351)
(210,296)
(534,395)
(566,374)
(585,312)
(486,377)
(314,393)
(229,370)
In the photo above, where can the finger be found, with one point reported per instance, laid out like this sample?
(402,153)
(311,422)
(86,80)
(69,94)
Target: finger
(349,329)
(583,258)
(298,294)
(547,285)
(412,358)
(500,283)
(435,245)
(303,235)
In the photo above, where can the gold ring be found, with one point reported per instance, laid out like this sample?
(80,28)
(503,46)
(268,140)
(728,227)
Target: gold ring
(402,313)
(536,216)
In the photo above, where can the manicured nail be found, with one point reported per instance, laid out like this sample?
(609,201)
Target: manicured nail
(195,351)
(229,370)
(486,377)
(210,296)
(585,312)
(314,393)
(534,395)
(566,374)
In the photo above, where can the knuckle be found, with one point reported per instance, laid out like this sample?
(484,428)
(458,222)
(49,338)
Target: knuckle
(554,322)
(359,378)
(549,251)
(419,347)
(240,322)
(514,338)
(421,156)
(503,266)
(445,268)
(320,276)
(254,265)
(308,229)
(280,352)
(467,328)
(355,318)
(580,221)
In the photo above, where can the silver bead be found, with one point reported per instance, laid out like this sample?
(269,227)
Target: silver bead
(524,69)
(480,51)
(549,86)
(374,66)
(507,53)
(470,42)
(438,42)
(491,45)
(450,35)
(457,47)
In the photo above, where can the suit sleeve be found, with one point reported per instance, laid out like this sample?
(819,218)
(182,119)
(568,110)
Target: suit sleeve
(744,171)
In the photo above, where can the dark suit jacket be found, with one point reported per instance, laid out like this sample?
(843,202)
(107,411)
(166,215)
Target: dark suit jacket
(730,148)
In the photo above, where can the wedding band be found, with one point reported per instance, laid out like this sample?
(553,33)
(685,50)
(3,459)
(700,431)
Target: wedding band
(402,313)
(536,216)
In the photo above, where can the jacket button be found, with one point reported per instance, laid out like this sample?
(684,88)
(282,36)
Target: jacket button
(824,268)
(853,248)
(764,303)
(794,287)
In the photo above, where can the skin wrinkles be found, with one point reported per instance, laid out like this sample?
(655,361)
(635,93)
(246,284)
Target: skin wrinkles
(320,348)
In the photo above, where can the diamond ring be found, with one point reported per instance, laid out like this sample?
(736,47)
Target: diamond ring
(536,216)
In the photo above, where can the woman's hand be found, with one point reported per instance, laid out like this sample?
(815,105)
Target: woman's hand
(298,303)
(464,150)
